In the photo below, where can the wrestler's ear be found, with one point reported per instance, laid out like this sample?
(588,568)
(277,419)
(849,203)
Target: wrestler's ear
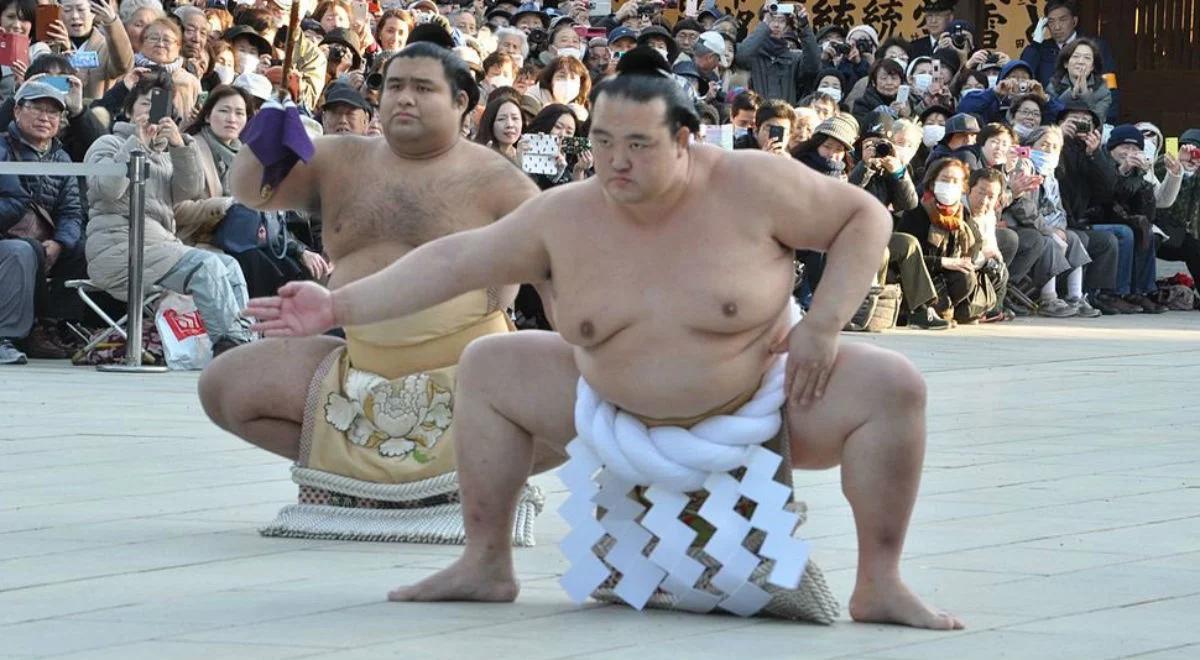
(683,138)
(461,99)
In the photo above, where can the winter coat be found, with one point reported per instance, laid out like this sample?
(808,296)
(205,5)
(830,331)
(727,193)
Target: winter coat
(197,219)
(868,102)
(1087,184)
(115,53)
(898,193)
(175,175)
(1183,217)
(1043,58)
(786,76)
(58,195)
(1098,98)
(916,222)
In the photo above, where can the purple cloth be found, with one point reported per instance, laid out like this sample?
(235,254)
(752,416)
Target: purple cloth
(278,139)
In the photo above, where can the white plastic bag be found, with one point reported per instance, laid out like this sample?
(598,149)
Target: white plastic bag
(184,337)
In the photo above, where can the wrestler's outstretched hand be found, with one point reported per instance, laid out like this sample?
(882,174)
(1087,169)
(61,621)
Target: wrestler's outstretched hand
(301,309)
(811,351)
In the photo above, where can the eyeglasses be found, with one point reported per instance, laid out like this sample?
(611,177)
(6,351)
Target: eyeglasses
(47,111)
(1029,114)
(161,41)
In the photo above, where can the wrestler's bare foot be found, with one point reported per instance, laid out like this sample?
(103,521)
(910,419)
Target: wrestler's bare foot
(891,601)
(463,580)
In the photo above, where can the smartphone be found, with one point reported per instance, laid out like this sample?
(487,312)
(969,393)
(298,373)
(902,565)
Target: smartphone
(902,94)
(45,15)
(13,48)
(575,145)
(775,133)
(58,82)
(158,105)
(361,11)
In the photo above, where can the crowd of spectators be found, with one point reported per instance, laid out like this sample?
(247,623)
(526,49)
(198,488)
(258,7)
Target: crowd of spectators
(1014,189)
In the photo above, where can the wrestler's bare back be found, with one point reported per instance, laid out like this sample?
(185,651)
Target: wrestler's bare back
(675,318)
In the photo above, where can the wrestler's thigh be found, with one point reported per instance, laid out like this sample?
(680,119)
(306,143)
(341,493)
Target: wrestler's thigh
(866,382)
(263,379)
(529,377)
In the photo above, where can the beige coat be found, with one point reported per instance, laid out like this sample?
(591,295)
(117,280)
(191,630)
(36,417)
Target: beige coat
(115,53)
(197,219)
(175,175)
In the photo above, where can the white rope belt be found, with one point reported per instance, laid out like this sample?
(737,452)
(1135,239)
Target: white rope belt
(615,452)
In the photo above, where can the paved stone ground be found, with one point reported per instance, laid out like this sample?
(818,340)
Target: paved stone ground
(1059,515)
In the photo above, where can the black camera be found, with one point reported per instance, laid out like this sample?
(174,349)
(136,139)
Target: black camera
(337,53)
(375,81)
(992,58)
(841,48)
(883,149)
(539,37)
(960,37)
(865,46)
(1083,126)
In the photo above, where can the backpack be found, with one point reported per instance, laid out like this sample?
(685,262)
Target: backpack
(879,311)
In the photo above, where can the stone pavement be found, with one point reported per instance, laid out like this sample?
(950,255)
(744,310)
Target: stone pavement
(1059,515)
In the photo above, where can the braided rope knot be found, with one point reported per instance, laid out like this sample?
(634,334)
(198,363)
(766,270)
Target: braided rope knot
(675,458)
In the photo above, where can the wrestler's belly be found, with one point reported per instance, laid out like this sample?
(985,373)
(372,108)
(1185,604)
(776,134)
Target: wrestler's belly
(364,260)
(681,376)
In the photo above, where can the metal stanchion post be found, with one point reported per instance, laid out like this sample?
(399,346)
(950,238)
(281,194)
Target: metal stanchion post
(138,171)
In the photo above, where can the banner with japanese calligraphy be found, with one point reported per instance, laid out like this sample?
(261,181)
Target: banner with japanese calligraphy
(1008,24)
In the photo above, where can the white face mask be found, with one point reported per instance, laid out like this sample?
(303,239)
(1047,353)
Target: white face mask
(1151,149)
(225,74)
(247,63)
(571,52)
(933,134)
(565,91)
(947,193)
(832,92)
(500,81)
(922,82)
(664,53)
(1022,130)
(992,80)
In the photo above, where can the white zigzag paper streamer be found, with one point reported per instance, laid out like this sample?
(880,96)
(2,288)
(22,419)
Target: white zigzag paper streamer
(614,452)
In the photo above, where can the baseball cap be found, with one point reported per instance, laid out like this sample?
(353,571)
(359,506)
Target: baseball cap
(711,42)
(1125,134)
(963,123)
(34,90)
(621,33)
(1190,136)
(345,95)
(258,85)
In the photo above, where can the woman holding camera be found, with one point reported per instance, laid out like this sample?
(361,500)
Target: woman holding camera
(1078,77)
(214,280)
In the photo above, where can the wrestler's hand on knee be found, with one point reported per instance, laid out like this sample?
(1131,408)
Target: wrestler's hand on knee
(811,351)
(301,309)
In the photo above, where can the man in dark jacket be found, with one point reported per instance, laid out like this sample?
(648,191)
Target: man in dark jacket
(776,71)
(1062,19)
(959,142)
(32,137)
(1087,178)
(1181,221)
(938,16)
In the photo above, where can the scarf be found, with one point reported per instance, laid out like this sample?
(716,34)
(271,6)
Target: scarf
(775,48)
(143,61)
(946,221)
(826,166)
(223,155)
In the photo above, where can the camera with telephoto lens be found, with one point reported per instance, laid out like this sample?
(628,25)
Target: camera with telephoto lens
(865,46)
(337,53)
(841,48)
(538,38)
(375,81)
(1082,126)
(883,149)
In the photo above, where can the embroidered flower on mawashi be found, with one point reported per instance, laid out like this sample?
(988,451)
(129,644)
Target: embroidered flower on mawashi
(400,418)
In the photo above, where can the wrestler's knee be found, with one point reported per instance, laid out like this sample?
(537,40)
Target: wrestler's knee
(482,360)
(214,389)
(903,386)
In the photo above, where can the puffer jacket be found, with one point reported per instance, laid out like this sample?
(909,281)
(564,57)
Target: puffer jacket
(175,175)
(1183,217)
(59,195)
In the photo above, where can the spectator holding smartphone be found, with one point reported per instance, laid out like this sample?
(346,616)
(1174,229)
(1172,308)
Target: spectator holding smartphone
(96,42)
(560,121)
(883,89)
(1181,220)
(214,280)
(774,120)
(162,43)
(16,17)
